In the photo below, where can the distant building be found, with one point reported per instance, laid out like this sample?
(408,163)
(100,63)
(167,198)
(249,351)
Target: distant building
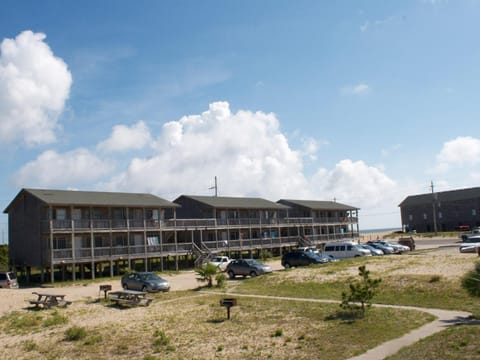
(445,211)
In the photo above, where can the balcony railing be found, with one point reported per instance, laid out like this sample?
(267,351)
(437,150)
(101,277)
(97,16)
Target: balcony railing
(149,251)
(179,224)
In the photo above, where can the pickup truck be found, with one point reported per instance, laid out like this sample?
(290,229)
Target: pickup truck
(221,262)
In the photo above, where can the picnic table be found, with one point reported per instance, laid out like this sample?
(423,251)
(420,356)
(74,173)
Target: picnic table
(46,300)
(130,297)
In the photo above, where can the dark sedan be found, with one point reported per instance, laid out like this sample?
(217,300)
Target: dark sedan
(145,281)
(301,258)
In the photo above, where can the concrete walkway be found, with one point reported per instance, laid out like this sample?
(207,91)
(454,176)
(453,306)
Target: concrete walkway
(445,318)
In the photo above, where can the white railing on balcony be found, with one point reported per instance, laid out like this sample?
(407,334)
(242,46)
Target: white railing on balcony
(115,252)
(179,224)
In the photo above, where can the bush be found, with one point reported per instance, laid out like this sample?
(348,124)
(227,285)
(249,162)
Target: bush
(221,279)
(471,281)
(75,333)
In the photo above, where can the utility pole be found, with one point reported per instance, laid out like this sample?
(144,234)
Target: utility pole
(215,187)
(434,198)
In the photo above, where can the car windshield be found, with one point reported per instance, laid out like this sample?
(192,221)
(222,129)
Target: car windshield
(253,262)
(311,255)
(150,276)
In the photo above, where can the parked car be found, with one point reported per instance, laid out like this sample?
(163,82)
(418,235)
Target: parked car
(397,248)
(312,249)
(247,267)
(144,281)
(400,247)
(8,279)
(221,262)
(345,249)
(373,250)
(475,232)
(470,248)
(328,258)
(407,241)
(301,258)
(386,249)
(470,245)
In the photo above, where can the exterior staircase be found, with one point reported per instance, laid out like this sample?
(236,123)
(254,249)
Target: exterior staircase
(202,252)
(303,241)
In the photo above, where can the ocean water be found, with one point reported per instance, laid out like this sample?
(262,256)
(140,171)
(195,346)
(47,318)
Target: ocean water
(374,231)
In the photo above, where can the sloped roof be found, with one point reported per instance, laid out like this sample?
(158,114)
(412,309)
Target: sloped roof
(96,198)
(225,202)
(318,205)
(443,196)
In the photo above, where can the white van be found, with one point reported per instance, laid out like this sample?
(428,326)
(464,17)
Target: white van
(345,249)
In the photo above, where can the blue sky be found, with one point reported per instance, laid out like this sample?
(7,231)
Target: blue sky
(365,102)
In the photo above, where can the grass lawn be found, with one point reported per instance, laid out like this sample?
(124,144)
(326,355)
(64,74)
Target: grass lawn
(458,342)
(192,325)
(195,326)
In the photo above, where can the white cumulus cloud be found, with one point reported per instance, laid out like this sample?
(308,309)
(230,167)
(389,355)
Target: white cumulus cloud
(34,85)
(355,183)
(72,168)
(246,150)
(464,150)
(124,138)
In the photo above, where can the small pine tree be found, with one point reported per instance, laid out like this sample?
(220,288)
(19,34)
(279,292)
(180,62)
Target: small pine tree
(361,292)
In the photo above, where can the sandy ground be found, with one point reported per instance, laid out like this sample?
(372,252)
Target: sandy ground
(17,299)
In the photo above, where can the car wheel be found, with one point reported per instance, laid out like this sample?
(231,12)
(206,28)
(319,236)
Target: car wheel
(253,274)
(144,288)
(231,274)
(288,266)
(124,286)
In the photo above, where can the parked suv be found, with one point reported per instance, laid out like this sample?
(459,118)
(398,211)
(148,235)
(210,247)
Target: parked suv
(8,279)
(301,258)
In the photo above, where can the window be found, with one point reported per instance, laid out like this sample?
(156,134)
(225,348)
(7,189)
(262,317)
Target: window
(152,214)
(474,212)
(61,243)
(424,216)
(410,217)
(440,215)
(60,214)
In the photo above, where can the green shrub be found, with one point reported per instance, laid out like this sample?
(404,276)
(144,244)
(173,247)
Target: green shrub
(221,280)
(160,340)
(278,333)
(55,319)
(471,281)
(75,333)
(206,273)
